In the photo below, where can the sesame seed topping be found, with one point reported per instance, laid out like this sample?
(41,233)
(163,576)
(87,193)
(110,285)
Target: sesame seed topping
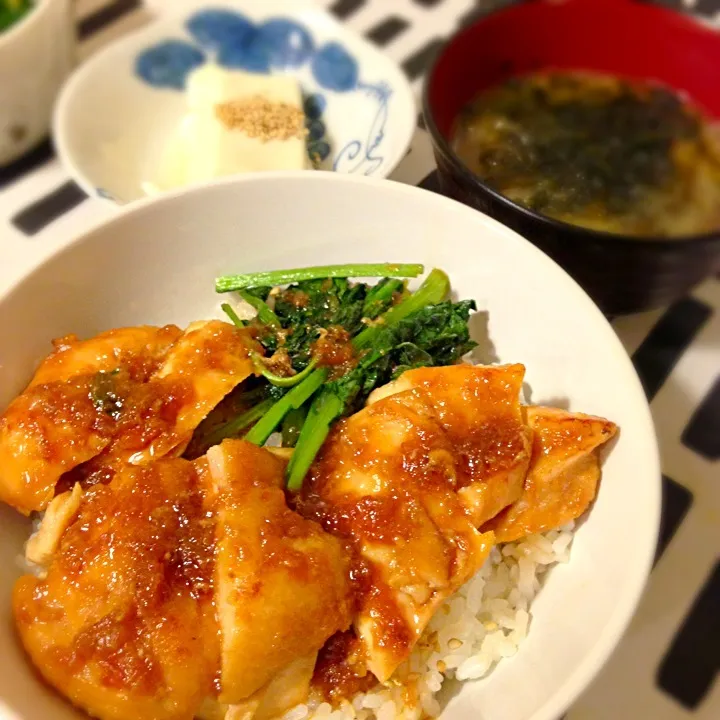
(262,119)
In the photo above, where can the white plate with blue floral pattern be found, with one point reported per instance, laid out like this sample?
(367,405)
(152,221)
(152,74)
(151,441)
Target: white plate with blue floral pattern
(116,112)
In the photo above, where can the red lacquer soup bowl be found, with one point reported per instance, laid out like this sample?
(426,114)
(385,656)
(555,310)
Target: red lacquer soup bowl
(627,38)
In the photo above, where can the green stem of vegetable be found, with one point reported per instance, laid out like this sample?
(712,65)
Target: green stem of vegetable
(293,400)
(292,425)
(264,314)
(434,289)
(228,283)
(380,297)
(239,423)
(234,318)
(325,409)
(281,380)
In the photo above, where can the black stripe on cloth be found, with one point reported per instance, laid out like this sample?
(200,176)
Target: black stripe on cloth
(343,9)
(428,3)
(41,213)
(105,16)
(386,31)
(663,347)
(27,163)
(420,61)
(691,665)
(702,434)
(675,505)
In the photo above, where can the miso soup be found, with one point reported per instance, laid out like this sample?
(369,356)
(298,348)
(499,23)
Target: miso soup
(626,157)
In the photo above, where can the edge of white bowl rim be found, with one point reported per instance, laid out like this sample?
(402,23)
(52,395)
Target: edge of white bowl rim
(593,662)
(60,133)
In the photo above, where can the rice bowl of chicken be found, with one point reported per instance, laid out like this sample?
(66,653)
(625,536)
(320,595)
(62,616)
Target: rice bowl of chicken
(537,592)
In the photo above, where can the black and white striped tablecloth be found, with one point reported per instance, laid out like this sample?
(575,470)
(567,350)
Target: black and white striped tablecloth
(667,666)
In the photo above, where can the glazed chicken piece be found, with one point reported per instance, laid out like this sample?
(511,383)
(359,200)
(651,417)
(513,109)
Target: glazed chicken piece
(61,420)
(209,360)
(182,589)
(289,687)
(126,395)
(386,481)
(45,432)
(123,622)
(478,408)
(564,473)
(282,582)
(140,350)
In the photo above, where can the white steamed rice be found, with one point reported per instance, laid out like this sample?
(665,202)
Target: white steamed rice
(484,622)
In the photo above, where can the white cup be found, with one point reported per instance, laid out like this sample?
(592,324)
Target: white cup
(36,55)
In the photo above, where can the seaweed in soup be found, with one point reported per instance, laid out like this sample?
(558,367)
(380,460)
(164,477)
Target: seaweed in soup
(595,151)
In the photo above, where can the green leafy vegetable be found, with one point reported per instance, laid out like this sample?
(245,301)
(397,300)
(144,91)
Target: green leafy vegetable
(434,289)
(304,310)
(307,308)
(234,318)
(426,335)
(432,336)
(407,356)
(264,314)
(276,380)
(238,424)
(229,283)
(292,425)
(440,331)
(293,400)
(282,381)
(261,291)
(390,330)
(381,297)
(236,412)
(324,409)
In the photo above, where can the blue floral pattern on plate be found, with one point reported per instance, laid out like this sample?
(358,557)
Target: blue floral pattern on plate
(362,155)
(169,63)
(232,40)
(318,147)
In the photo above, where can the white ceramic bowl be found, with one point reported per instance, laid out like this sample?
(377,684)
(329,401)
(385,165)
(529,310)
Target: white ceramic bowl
(115,115)
(156,264)
(36,55)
